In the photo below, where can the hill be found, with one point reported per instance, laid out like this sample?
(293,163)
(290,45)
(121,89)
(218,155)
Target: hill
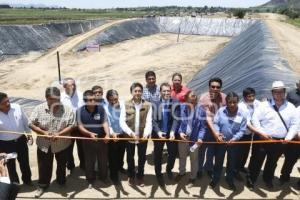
(283,3)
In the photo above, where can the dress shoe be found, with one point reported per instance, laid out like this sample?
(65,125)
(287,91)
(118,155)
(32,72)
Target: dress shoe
(140,182)
(269,185)
(39,192)
(131,181)
(213,184)
(250,184)
(161,181)
(231,186)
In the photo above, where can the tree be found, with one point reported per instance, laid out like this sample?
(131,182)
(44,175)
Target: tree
(239,13)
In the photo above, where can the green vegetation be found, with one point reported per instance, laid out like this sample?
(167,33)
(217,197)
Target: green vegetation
(239,13)
(43,15)
(46,15)
(295,22)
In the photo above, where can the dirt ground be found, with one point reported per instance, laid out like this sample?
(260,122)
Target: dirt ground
(116,67)
(288,38)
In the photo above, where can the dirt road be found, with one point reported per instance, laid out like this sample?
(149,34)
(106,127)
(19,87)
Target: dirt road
(287,37)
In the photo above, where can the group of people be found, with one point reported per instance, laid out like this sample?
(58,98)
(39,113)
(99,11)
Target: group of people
(170,114)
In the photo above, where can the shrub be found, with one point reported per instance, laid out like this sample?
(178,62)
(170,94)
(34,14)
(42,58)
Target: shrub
(239,13)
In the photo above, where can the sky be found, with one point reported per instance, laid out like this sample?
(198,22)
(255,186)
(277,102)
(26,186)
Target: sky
(137,3)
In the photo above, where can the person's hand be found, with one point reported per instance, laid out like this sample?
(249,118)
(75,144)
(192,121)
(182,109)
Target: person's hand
(230,142)
(54,137)
(161,135)
(3,169)
(29,137)
(183,136)
(133,136)
(94,136)
(199,142)
(265,136)
(145,138)
(285,141)
(172,137)
(219,137)
(115,137)
(106,139)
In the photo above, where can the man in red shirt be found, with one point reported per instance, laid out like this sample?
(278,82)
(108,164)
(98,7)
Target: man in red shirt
(211,101)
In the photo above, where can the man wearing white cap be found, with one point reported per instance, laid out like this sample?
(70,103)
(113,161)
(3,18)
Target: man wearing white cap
(274,119)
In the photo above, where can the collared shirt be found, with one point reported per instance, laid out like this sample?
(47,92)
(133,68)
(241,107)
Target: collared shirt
(192,122)
(267,120)
(294,97)
(212,105)
(180,96)
(298,115)
(127,129)
(4,179)
(15,120)
(52,123)
(248,111)
(166,114)
(113,116)
(74,102)
(102,102)
(232,127)
(151,94)
(94,121)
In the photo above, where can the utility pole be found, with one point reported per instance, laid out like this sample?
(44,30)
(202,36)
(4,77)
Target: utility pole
(58,65)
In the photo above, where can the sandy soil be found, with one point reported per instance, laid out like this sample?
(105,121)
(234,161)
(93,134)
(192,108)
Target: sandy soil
(76,187)
(115,66)
(287,37)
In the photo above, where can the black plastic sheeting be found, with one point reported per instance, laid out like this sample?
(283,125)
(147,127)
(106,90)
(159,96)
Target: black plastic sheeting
(27,104)
(20,39)
(121,32)
(250,59)
(186,25)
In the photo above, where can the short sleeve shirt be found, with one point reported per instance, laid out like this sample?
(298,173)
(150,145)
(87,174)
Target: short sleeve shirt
(94,121)
(52,123)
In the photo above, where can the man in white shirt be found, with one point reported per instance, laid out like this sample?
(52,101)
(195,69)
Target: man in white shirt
(13,119)
(74,99)
(136,122)
(274,119)
(291,154)
(247,106)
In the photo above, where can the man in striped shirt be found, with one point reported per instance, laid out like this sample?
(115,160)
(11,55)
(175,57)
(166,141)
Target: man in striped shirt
(49,120)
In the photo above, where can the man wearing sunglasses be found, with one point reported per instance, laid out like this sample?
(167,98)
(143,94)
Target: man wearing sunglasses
(92,123)
(211,101)
(98,92)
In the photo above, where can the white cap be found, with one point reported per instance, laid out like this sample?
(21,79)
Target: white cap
(278,85)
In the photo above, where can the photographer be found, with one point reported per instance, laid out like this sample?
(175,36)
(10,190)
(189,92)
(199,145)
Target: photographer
(7,190)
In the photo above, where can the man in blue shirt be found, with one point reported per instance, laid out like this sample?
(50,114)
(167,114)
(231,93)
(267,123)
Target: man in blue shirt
(92,122)
(164,127)
(116,148)
(192,127)
(231,124)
